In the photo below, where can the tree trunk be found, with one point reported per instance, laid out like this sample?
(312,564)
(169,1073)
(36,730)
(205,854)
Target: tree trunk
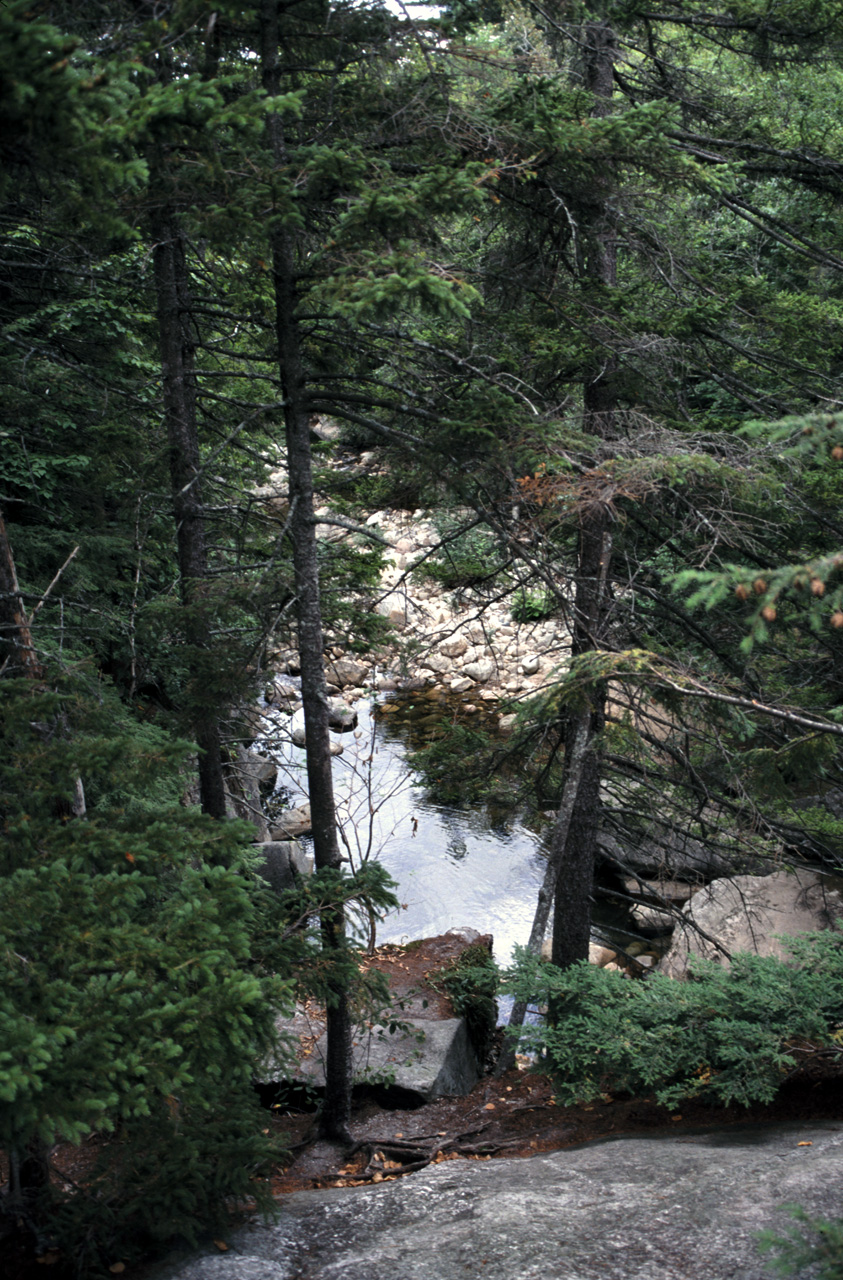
(179,391)
(17,652)
(335,1117)
(575,759)
(574,883)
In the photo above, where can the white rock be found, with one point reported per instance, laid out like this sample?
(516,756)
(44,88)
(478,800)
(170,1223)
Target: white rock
(745,913)
(479,671)
(454,648)
(435,662)
(460,684)
(531,664)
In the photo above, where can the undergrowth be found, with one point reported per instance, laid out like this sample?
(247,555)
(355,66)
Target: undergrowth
(726,1035)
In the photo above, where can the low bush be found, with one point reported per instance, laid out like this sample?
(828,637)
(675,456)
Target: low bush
(813,1242)
(532,606)
(728,1035)
(464,559)
(470,983)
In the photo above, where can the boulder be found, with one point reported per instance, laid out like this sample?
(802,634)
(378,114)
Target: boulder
(461,684)
(292,824)
(454,648)
(686,1206)
(397,608)
(530,665)
(300,740)
(674,891)
(652,921)
(436,663)
(479,671)
(243,777)
(746,913)
(341,717)
(664,852)
(281,862)
(347,671)
(428,1059)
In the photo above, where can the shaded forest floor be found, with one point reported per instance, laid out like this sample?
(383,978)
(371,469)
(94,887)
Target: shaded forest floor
(514,1116)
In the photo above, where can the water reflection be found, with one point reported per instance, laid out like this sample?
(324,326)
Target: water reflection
(473,865)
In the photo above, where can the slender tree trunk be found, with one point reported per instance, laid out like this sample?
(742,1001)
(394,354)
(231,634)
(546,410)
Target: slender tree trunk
(179,390)
(17,652)
(574,883)
(575,758)
(335,1117)
(569,878)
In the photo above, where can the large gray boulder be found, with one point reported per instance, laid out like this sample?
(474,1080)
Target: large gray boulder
(281,862)
(746,913)
(663,852)
(426,1058)
(243,778)
(429,1059)
(347,672)
(684,1207)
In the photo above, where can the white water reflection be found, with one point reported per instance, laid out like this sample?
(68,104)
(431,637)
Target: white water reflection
(454,867)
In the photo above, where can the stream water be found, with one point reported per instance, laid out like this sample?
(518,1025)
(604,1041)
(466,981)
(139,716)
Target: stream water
(469,866)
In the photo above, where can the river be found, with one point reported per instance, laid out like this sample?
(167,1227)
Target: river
(469,866)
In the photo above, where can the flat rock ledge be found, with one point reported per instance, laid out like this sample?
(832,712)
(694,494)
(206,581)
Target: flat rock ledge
(688,1207)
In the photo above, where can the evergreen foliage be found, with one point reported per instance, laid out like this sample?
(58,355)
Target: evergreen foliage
(131,1003)
(814,1243)
(726,1035)
(562,268)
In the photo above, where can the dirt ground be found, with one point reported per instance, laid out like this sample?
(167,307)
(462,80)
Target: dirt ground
(510,1117)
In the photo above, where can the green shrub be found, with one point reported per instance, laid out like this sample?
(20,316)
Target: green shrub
(532,606)
(815,1242)
(464,559)
(131,1007)
(724,1035)
(471,983)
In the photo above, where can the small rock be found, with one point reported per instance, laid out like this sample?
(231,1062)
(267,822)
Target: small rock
(650,920)
(341,717)
(454,648)
(293,823)
(461,684)
(347,671)
(530,665)
(479,671)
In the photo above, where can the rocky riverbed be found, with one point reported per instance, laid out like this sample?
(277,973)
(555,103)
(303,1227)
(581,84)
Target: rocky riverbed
(485,654)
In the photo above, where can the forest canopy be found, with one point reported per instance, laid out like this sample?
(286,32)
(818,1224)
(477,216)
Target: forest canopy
(574,272)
